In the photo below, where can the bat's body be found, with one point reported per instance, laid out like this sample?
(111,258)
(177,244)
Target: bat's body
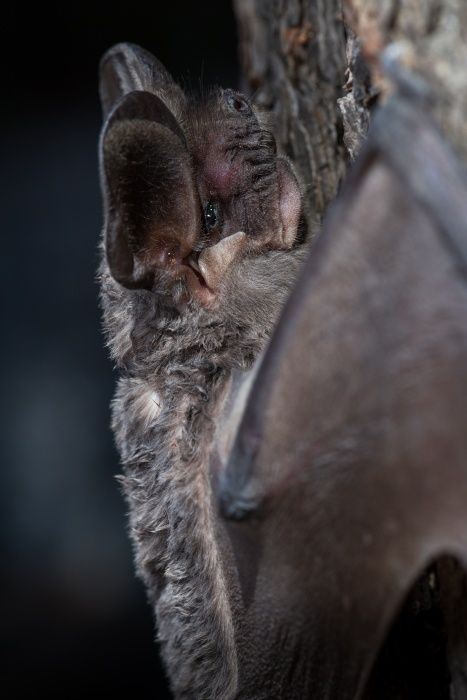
(202,243)
(337,455)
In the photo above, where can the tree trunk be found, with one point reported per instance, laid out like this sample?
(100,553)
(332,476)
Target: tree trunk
(308,63)
(422,44)
(294,60)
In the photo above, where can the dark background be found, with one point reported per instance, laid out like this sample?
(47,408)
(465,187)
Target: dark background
(73,616)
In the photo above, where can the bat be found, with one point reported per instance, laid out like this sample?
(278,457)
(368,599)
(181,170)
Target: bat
(288,461)
(203,237)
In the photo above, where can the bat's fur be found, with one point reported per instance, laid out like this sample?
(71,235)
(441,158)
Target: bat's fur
(184,363)
(176,364)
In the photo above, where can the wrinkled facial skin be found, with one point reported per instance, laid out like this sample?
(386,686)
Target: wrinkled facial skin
(238,183)
(235,165)
(192,188)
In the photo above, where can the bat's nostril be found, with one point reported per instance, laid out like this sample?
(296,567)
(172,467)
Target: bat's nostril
(237,102)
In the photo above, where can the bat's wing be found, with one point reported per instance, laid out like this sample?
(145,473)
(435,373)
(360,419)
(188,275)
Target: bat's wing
(349,471)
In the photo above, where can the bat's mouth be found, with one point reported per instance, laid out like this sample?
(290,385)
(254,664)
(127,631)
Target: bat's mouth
(205,271)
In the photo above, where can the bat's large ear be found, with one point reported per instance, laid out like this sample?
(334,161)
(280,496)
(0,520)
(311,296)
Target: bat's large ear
(290,204)
(151,207)
(127,67)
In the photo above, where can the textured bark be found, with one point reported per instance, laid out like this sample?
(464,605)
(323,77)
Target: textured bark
(354,106)
(310,70)
(294,61)
(421,46)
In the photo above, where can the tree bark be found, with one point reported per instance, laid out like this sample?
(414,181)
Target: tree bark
(419,45)
(294,62)
(317,67)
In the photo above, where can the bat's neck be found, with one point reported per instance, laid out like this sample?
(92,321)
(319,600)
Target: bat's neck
(166,429)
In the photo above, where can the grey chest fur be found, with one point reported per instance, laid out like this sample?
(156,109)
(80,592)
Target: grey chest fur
(203,238)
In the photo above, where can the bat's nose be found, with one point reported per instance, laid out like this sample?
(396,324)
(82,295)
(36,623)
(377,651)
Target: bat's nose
(237,102)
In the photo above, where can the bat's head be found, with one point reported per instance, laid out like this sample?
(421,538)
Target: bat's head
(199,210)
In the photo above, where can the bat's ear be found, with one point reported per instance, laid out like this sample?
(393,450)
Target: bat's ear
(151,207)
(127,67)
(290,202)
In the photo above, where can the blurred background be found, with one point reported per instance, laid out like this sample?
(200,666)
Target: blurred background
(74,617)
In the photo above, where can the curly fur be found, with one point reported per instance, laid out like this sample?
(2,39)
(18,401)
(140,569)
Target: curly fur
(163,158)
(186,361)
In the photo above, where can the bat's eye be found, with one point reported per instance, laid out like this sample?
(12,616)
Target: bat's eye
(211,215)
